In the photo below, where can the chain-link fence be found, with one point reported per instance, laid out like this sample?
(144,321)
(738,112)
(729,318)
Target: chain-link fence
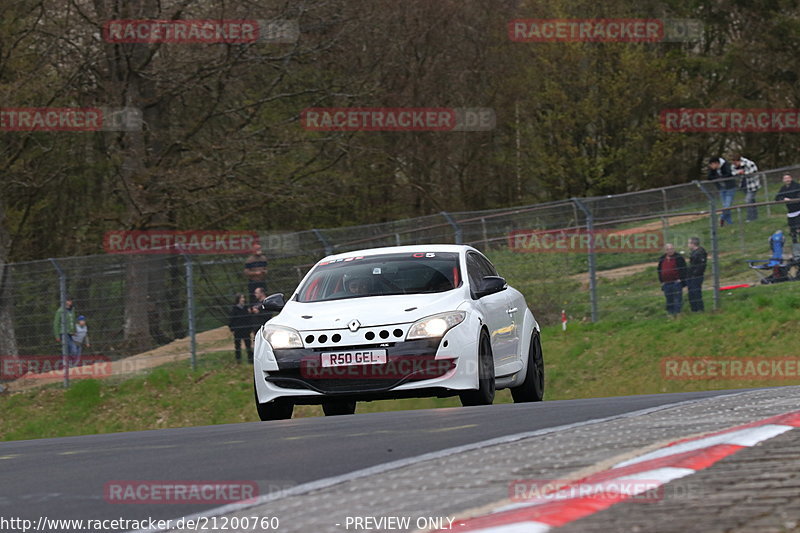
(134,302)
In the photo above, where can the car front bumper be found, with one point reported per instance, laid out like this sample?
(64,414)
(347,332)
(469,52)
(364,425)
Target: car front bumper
(427,367)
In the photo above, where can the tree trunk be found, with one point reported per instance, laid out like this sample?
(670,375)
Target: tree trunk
(8,341)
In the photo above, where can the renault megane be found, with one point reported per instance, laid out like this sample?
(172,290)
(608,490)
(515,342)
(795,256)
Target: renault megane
(407,321)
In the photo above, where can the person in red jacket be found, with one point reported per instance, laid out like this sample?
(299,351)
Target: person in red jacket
(672,275)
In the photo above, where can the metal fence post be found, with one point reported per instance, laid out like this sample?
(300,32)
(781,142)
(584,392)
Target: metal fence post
(740,229)
(712,206)
(325,242)
(190,307)
(459,236)
(62,290)
(766,193)
(592,258)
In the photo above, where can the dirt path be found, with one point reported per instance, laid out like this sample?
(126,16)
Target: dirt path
(178,350)
(613,273)
(657,224)
(630,270)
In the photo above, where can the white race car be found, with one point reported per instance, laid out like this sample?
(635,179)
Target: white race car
(406,321)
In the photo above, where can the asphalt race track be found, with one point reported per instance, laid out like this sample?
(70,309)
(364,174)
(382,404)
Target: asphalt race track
(64,478)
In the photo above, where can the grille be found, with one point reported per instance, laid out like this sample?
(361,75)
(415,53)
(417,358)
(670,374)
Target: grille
(362,378)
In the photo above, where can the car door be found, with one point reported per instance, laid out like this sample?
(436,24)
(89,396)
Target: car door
(494,307)
(515,303)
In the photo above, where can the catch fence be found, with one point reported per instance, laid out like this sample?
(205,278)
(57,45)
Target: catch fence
(136,302)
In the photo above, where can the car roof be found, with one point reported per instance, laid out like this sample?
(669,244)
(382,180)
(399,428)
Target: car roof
(453,248)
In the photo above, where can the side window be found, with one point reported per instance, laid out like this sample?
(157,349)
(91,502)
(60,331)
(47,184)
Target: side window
(487,268)
(474,271)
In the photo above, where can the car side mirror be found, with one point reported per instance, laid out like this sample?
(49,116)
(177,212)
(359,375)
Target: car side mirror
(273,302)
(490,285)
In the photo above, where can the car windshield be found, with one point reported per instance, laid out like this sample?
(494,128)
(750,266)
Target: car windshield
(381,275)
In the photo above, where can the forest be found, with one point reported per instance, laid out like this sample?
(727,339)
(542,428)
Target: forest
(222,144)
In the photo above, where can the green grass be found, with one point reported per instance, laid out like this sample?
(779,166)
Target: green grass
(622,357)
(617,356)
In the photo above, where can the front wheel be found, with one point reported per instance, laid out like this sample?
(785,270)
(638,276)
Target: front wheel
(278,409)
(532,389)
(339,407)
(484,394)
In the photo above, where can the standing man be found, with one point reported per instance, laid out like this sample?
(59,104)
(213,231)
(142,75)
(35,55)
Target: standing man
(750,182)
(255,269)
(259,315)
(694,275)
(790,193)
(672,275)
(720,170)
(241,325)
(61,335)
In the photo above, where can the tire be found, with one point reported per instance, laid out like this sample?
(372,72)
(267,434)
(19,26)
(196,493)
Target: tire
(279,409)
(532,389)
(484,394)
(339,407)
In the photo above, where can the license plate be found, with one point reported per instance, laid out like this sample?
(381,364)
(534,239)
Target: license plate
(355,357)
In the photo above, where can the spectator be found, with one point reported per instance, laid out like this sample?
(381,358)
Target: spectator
(80,337)
(672,275)
(58,331)
(720,171)
(694,274)
(255,269)
(750,182)
(259,314)
(790,193)
(240,325)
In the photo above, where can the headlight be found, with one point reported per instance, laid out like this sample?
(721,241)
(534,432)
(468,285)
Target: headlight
(435,325)
(281,338)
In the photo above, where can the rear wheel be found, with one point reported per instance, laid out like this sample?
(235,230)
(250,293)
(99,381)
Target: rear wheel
(339,407)
(532,389)
(278,409)
(484,394)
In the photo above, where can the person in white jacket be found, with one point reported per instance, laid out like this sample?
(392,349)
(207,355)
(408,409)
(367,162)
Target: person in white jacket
(750,182)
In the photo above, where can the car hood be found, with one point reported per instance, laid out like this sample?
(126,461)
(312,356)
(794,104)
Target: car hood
(369,311)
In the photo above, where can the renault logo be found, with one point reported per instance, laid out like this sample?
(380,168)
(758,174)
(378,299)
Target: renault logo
(354,325)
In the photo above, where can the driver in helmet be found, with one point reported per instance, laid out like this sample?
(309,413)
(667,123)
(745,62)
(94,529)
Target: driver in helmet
(357,285)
